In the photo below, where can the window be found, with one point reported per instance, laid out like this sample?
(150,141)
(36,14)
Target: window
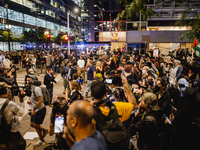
(114,15)
(106,5)
(106,16)
(106,26)
(3,12)
(98,16)
(98,6)
(98,26)
(114,26)
(15,16)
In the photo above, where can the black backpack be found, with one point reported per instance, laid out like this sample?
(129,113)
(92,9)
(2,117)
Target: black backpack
(4,126)
(113,131)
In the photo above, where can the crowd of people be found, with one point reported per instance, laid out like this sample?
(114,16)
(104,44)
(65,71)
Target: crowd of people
(155,99)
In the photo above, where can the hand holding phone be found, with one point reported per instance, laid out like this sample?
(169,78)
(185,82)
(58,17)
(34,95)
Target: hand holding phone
(59,121)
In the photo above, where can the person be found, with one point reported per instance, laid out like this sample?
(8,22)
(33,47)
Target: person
(11,110)
(179,69)
(79,124)
(48,81)
(28,63)
(12,68)
(38,110)
(1,59)
(150,83)
(65,76)
(6,62)
(81,66)
(33,63)
(59,109)
(91,73)
(43,63)
(147,124)
(163,95)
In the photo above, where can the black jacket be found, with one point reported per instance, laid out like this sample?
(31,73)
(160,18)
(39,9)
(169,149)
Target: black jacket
(48,81)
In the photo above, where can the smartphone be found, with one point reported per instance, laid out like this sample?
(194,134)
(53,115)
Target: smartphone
(59,121)
(108,81)
(167,119)
(135,90)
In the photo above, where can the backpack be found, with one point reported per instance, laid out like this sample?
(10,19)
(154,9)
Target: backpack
(4,126)
(63,73)
(46,96)
(113,131)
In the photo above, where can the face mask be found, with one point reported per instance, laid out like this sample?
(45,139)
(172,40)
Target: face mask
(143,71)
(157,89)
(150,82)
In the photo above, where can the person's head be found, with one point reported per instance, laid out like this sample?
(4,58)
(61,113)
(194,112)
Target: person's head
(145,70)
(182,84)
(90,62)
(81,57)
(75,76)
(30,79)
(69,63)
(50,70)
(1,71)
(150,80)
(98,90)
(170,65)
(99,63)
(5,90)
(177,62)
(161,84)
(149,102)
(79,117)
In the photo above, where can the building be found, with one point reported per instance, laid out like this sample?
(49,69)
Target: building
(160,30)
(106,29)
(87,20)
(23,15)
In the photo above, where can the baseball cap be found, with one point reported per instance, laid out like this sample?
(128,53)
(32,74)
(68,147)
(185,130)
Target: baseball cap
(151,100)
(182,84)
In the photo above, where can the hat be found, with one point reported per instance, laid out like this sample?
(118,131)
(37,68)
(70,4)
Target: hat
(177,61)
(5,85)
(31,71)
(150,99)
(182,84)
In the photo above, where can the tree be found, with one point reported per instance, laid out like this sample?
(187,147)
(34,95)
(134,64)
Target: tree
(190,20)
(135,7)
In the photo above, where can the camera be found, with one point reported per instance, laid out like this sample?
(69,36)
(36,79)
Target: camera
(16,89)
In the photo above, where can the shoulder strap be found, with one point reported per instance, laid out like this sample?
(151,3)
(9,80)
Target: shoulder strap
(4,106)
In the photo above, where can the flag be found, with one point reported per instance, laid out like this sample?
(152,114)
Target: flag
(196,47)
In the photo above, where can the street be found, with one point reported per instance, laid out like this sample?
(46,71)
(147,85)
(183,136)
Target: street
(25,128)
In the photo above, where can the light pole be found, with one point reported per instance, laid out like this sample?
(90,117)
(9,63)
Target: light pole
(68,30)
(8,27)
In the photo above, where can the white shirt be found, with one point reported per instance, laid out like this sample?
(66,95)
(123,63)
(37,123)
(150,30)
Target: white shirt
(34,60)
(81,63)
(11,108)
(6,62)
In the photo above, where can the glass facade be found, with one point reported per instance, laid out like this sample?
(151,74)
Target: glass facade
(105,15)
(39,15)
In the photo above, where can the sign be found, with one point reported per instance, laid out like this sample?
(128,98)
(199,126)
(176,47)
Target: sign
(155,53)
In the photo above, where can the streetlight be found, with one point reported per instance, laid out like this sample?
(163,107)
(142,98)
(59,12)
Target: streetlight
(8,27)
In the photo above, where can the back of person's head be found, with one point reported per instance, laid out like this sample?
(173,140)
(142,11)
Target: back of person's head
(75,76)
(1,70)
(119,94)
(98,89)
(83,111)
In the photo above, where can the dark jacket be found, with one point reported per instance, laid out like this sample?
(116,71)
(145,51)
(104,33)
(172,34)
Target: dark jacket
(148,129)
(48,81)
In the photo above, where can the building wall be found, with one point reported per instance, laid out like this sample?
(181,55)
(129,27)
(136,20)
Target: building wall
(25,15)
(87,15)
